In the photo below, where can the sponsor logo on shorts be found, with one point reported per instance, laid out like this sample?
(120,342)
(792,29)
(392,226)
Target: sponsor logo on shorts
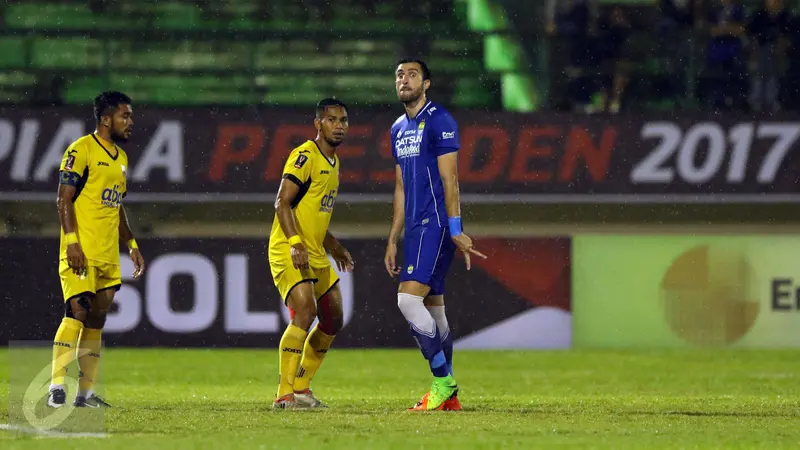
(410,269)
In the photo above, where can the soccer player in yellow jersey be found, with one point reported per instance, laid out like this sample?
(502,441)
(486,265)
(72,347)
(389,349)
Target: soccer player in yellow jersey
(298,247)
(92,184)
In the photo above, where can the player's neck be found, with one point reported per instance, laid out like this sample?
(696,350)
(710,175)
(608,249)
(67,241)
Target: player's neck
(326,148)
(412,109)
(104,135)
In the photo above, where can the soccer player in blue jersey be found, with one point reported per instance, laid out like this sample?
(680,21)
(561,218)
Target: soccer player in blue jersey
(425,147)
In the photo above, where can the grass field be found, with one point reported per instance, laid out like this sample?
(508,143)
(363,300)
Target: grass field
(579,399)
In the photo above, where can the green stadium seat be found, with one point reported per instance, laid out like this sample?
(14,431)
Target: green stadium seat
(67,53)
(12,52)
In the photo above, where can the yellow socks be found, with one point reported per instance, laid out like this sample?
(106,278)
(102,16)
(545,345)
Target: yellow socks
(64,346)
(291,349)
(88,359)
(314,352)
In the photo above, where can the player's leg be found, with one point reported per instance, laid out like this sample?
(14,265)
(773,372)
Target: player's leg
(297,289)
(89,350)
(435,306)
(423,281)
(330,315)
(435,299)
(78,292)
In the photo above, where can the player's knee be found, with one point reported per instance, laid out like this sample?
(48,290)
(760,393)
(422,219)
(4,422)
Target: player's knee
(331,324)
(78,308)
(96,319)
(304,313)
(408,301)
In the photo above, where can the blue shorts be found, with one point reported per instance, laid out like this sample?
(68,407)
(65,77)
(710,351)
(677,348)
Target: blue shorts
(427,253)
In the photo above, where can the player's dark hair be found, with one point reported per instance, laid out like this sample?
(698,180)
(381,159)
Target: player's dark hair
(327,102)
(108,100)
(426,73)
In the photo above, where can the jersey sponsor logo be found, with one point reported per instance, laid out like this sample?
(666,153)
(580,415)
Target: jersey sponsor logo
(112,197)
(448,134)
(408,146)
(301,160)
(328,201)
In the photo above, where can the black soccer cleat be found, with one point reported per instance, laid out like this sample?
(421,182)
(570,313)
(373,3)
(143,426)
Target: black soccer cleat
(56,398)
(92,402)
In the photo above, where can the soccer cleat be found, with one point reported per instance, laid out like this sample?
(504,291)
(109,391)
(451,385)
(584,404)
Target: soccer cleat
(56,398)
(442,389)
(451,404)
(306,399)
(92,401)
(285,402)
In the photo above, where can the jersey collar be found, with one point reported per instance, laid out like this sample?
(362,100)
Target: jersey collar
(420,111)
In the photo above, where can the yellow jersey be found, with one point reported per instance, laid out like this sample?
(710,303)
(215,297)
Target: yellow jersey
(100,169)
(318,178)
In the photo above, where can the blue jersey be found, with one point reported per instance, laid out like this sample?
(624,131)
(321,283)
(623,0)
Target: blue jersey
(416,145)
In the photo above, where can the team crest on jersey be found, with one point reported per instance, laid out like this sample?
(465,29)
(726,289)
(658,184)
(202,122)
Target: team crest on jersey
(421,126)
(301,160)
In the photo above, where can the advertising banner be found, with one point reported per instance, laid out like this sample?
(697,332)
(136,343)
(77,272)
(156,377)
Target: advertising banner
(220,293)
(680,291)
(215,154)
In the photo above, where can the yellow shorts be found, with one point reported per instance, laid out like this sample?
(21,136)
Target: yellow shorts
(99,276)
(287,277)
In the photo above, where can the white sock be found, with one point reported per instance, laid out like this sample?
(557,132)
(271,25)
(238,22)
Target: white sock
(58,386)
(416,314)
(437,312)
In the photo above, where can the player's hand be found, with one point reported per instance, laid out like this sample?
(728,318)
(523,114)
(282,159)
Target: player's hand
(390,258)
(138,263)
(343,259)
(464,243)
(76,259)
(299,256)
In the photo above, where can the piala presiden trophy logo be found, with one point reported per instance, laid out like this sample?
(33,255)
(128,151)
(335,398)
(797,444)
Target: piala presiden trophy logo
(707,296)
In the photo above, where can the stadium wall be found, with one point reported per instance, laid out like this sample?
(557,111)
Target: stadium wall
(218,292)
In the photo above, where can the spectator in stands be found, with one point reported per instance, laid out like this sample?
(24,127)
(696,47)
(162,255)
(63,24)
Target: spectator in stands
(766,28)
(790,86)
(573,22)
(725,81)
(676,15)
(673,49)
(611,42)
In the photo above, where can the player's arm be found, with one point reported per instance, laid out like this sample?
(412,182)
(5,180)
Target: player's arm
(69,180)
(398,219)
(287,192)
(446,142)
(296,171)
(339,254)
(126,235)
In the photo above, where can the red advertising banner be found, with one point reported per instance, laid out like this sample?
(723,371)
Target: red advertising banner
(238,154)
(219,293)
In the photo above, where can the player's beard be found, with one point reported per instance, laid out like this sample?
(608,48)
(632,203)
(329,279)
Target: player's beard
(411,97)
(118,137)
(333,143)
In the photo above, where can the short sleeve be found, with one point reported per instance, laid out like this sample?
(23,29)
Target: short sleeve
(392,141)
(73,164)
(298,166)
(444,135)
